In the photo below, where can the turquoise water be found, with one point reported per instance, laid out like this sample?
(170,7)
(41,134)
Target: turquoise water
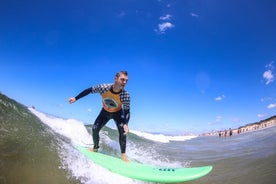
(39,148)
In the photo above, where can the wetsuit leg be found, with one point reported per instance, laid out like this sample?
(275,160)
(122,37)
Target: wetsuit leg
(120,126)
(99,123)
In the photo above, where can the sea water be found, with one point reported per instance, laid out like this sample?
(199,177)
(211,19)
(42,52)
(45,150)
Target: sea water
(39,148)
(243,158)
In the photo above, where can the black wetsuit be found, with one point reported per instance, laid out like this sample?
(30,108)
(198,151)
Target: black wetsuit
(116,106)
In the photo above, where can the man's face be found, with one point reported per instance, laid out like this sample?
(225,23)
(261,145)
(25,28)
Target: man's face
(121,80)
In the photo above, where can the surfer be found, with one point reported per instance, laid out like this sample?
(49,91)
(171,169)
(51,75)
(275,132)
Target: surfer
(116,106)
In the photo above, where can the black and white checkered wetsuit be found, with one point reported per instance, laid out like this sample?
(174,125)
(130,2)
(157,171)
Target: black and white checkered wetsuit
(116,106)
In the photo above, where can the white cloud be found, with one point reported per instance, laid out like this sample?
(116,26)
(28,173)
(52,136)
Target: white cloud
(163,27)
(194,15)
(268,75)
(261,115)
(266,99)
(235,120)
(164,24)
(166,17)
(89,110)
(270,65)
(219,98)
(218,118)
(270,106)
(122,14)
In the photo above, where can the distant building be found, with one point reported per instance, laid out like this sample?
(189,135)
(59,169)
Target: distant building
(270,122)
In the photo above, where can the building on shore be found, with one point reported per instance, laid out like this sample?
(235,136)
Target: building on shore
(270,122)
(267,123)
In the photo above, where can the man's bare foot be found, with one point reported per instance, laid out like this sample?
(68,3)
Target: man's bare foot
(124,157)
(93,150)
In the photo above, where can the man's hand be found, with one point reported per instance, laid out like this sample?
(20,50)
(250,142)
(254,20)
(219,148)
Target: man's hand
(126,129)
(72,100)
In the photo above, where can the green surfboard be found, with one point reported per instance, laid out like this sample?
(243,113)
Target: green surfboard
(145,172)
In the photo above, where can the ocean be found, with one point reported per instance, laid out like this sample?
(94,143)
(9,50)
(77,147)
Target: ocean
(38,148)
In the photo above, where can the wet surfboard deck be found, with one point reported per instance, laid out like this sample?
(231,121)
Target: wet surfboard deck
(145,172)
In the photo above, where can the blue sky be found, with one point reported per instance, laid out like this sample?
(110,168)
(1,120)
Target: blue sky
(194,65)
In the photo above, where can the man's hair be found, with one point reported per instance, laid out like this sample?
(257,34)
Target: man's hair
(121,72)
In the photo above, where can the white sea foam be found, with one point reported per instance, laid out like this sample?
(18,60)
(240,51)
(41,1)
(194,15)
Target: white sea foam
(78,165)
(163,138)
(70,128)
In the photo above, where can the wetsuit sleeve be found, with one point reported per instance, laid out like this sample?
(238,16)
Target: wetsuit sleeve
(125,98)
(83,93)
(102,88)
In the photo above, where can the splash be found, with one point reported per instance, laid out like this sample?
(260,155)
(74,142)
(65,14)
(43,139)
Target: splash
(163,138)
(84,169)
(78,165)
(70,128)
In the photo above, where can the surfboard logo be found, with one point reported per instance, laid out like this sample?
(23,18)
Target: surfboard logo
(167,169)
(110,103)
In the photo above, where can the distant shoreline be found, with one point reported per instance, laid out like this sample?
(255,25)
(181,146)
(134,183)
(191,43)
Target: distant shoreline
(263,124)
